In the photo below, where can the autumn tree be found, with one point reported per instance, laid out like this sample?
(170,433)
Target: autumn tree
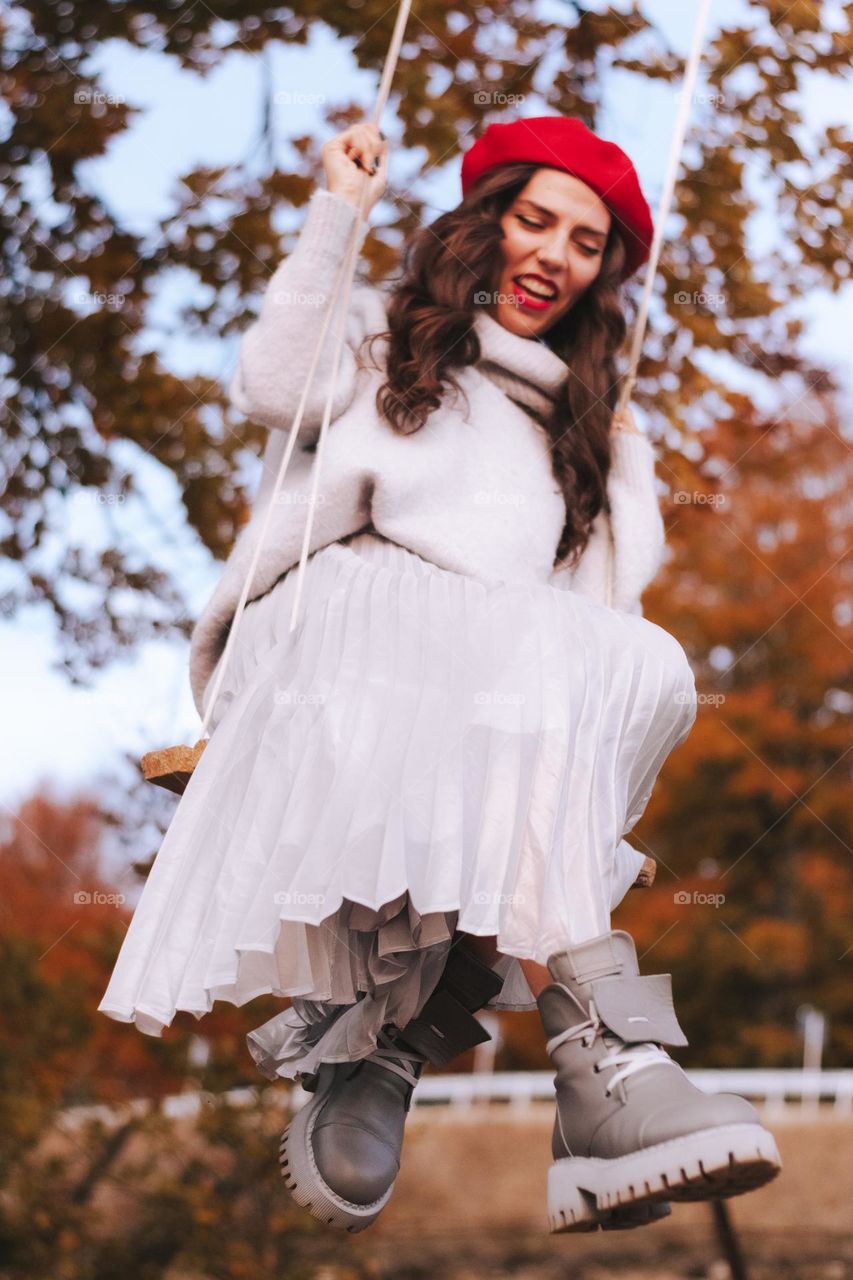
(753,904)
(62,925)
(90,394)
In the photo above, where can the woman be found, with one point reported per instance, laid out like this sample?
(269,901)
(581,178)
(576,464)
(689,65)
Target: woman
(414,805)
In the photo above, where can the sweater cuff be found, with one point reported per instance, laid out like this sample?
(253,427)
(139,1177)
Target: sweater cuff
(633,460)
(326,230)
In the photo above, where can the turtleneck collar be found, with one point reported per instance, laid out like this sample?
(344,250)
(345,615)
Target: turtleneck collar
(525,369)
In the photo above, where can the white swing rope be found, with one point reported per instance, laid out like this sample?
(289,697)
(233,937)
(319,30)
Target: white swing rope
(690,72)
(343,282)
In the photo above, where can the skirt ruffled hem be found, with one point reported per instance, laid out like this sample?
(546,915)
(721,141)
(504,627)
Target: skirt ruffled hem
(379,968)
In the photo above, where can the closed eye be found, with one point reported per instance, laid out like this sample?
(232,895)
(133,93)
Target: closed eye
(586,249)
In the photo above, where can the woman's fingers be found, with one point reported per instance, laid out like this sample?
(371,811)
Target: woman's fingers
(364,144)
(359,150)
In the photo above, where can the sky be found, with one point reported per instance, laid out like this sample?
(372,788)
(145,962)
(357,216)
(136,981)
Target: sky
(61,735)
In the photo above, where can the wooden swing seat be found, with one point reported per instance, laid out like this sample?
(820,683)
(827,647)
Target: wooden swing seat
(171,767)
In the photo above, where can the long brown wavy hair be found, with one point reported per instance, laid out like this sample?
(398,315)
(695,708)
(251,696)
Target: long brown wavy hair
(431,311)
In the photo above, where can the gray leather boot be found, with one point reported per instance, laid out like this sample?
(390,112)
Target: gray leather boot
(630,1129)
(340,1155)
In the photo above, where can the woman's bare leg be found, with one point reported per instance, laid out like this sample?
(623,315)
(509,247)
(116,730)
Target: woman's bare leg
(537,975)
(486,949)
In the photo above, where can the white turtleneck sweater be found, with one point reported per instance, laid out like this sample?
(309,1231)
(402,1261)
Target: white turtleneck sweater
(473,490)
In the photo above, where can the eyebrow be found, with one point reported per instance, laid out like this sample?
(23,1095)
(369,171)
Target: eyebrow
(541,208)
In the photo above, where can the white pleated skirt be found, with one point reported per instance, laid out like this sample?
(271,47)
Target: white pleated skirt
(424,755)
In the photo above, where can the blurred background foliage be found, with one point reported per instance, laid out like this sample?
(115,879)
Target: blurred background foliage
(750,821)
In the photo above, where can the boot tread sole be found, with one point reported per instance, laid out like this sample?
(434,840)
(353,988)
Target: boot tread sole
(307,1185)
(730,1160)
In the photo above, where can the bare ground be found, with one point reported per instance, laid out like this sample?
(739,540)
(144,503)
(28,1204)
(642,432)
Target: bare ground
(471,1196)
(469,1204)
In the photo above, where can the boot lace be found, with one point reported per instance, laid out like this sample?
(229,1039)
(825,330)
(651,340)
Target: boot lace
(630,1058)
(397,1058)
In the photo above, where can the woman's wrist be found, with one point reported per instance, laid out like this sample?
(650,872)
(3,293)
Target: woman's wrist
(323,240)
(350,196)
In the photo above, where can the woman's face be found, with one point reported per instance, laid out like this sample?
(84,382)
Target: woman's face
(556,229)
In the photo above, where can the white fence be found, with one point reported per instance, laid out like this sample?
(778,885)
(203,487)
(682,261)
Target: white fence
(774,1089)
(778,1091)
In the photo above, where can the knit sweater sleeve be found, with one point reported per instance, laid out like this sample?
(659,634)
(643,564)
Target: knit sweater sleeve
(636,526)
(277,349)
(635,518)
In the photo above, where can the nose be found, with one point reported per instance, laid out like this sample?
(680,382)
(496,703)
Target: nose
(554,254)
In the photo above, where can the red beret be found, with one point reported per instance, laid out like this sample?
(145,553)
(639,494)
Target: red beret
(564,142)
